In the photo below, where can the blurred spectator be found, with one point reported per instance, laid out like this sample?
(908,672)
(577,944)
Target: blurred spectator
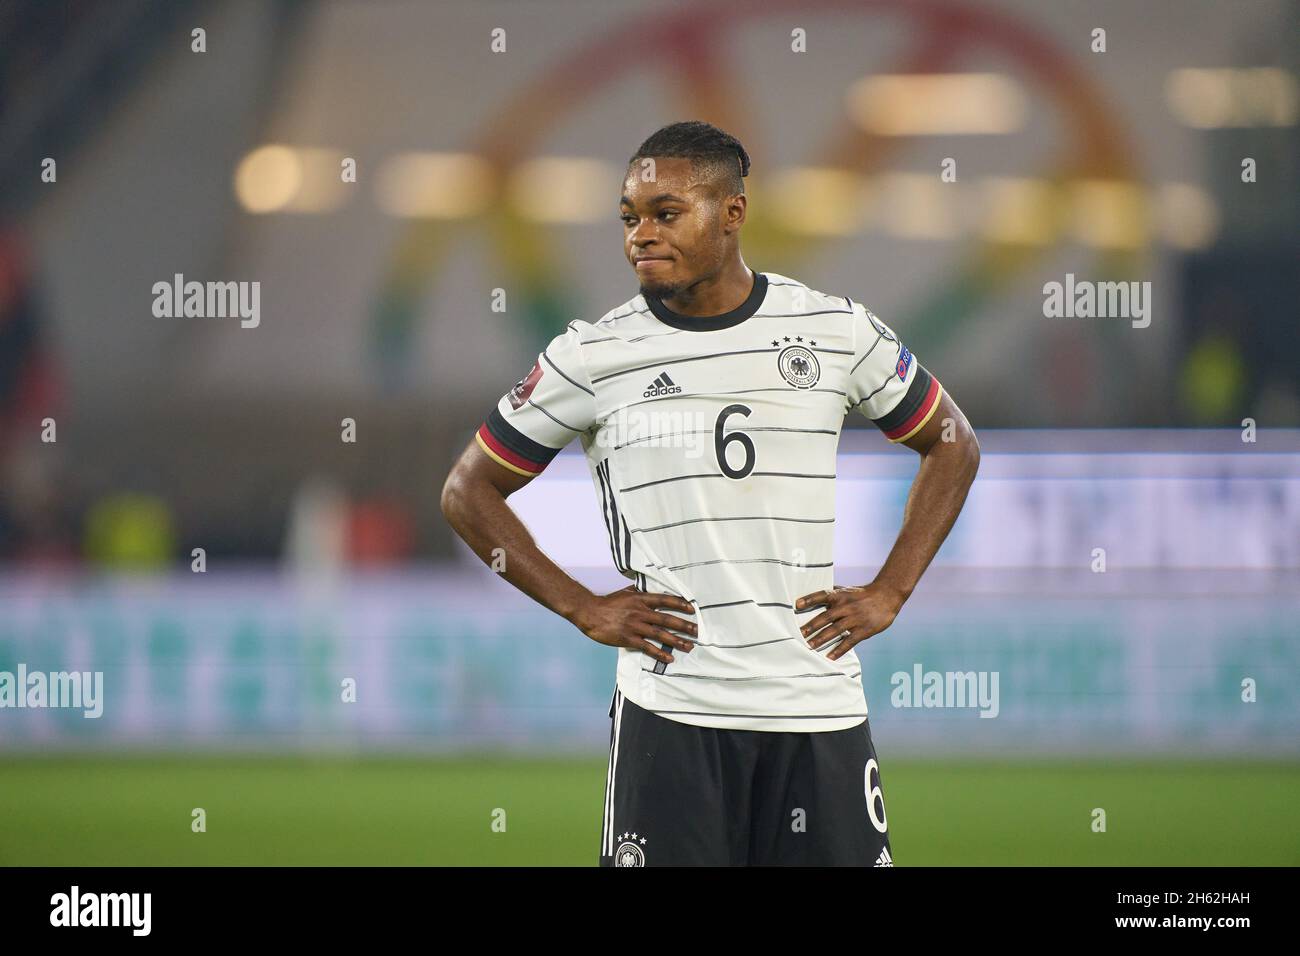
(130,531)
(33,524)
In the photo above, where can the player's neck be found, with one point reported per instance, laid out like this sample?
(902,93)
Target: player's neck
(722,293)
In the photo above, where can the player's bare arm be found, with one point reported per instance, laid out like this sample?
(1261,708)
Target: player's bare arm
(935,500)
(474,503)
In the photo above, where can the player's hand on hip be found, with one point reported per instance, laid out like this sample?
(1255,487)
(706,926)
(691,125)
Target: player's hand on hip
(859,611)
(631,618)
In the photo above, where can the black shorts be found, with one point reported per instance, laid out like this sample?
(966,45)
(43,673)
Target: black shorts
(681,795)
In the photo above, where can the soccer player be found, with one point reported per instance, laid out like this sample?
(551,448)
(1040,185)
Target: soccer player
(709,407)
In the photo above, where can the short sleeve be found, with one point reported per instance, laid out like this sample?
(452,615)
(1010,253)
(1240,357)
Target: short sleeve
(544,411)
(887,384)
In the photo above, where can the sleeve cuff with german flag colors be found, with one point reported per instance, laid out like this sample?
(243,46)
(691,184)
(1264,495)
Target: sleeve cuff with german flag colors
(917,407)
(512,448)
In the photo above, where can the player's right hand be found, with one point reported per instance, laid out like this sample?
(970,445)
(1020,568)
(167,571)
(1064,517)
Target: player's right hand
(630,618)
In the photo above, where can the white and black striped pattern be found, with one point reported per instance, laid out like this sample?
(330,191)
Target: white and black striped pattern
(607,825)
(714,465)
(620,537)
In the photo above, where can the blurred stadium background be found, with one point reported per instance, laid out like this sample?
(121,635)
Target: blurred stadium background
(1163,689)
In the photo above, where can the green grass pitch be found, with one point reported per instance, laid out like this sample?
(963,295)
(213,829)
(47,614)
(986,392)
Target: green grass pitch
(129,810)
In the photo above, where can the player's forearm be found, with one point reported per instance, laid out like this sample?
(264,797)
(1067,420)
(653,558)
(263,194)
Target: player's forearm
(933,504)
(487,523)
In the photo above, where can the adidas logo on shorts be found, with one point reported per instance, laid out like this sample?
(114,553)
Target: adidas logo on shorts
(663,385)
(884,859)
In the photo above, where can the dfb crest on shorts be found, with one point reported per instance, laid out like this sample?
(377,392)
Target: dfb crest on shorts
(524,387)
(799,366)
(629,852)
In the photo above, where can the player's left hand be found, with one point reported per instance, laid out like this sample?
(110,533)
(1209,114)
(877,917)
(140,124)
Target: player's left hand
(862,611)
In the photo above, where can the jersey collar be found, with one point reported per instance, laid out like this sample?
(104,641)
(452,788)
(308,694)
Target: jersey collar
(711,323)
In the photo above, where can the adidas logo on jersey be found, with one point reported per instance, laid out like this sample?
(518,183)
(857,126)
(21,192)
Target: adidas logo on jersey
(663,385)
(884,859)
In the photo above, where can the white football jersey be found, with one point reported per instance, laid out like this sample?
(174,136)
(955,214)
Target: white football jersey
(712,446)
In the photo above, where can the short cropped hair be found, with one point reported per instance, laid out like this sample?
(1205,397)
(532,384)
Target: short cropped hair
(715,154)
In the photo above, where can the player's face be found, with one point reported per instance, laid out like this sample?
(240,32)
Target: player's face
(673,229)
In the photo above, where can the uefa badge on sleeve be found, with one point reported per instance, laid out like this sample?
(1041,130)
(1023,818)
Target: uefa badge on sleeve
(630,851)
(904,363)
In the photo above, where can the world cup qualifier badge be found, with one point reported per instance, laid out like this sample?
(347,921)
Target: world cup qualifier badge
(524,387)
(631,850)
(799,366)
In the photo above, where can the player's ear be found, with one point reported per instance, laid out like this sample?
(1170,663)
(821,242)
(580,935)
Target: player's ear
(737,206)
